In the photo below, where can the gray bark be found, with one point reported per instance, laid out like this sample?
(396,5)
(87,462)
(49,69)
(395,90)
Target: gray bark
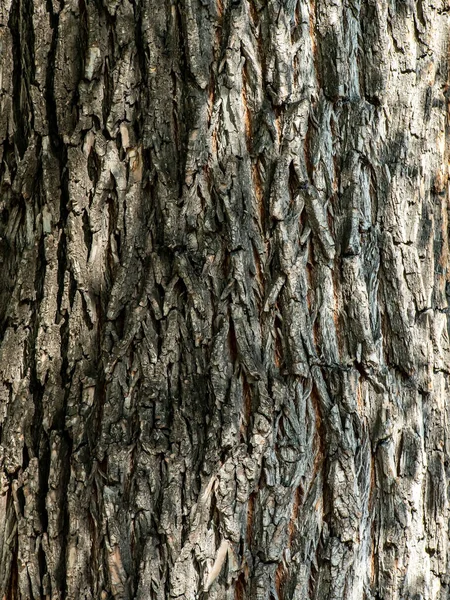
(224,360)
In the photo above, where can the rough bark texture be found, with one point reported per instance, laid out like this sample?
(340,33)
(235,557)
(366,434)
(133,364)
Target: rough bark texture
(224,361)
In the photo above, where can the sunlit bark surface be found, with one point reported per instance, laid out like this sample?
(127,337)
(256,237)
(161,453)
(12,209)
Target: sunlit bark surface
(224,256)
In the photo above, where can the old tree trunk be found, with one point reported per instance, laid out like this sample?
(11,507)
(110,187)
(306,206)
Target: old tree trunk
(225,357)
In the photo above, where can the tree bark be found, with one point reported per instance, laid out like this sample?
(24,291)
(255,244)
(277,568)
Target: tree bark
(224,360)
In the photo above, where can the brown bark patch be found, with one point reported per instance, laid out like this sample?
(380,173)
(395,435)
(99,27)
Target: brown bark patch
(312,33)
(247,113)
(306,147)
(239,590)
(278,358)
(259,192)
(319,437)
(280,579)
(250,516)
(359,400)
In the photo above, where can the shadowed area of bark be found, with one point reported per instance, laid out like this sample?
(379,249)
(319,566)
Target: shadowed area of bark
(224,357)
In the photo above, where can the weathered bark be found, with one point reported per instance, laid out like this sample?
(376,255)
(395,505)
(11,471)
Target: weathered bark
(224,361)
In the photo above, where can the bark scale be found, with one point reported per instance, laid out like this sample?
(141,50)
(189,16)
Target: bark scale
(224,360)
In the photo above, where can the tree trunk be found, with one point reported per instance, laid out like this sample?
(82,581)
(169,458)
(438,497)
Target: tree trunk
(225,357)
